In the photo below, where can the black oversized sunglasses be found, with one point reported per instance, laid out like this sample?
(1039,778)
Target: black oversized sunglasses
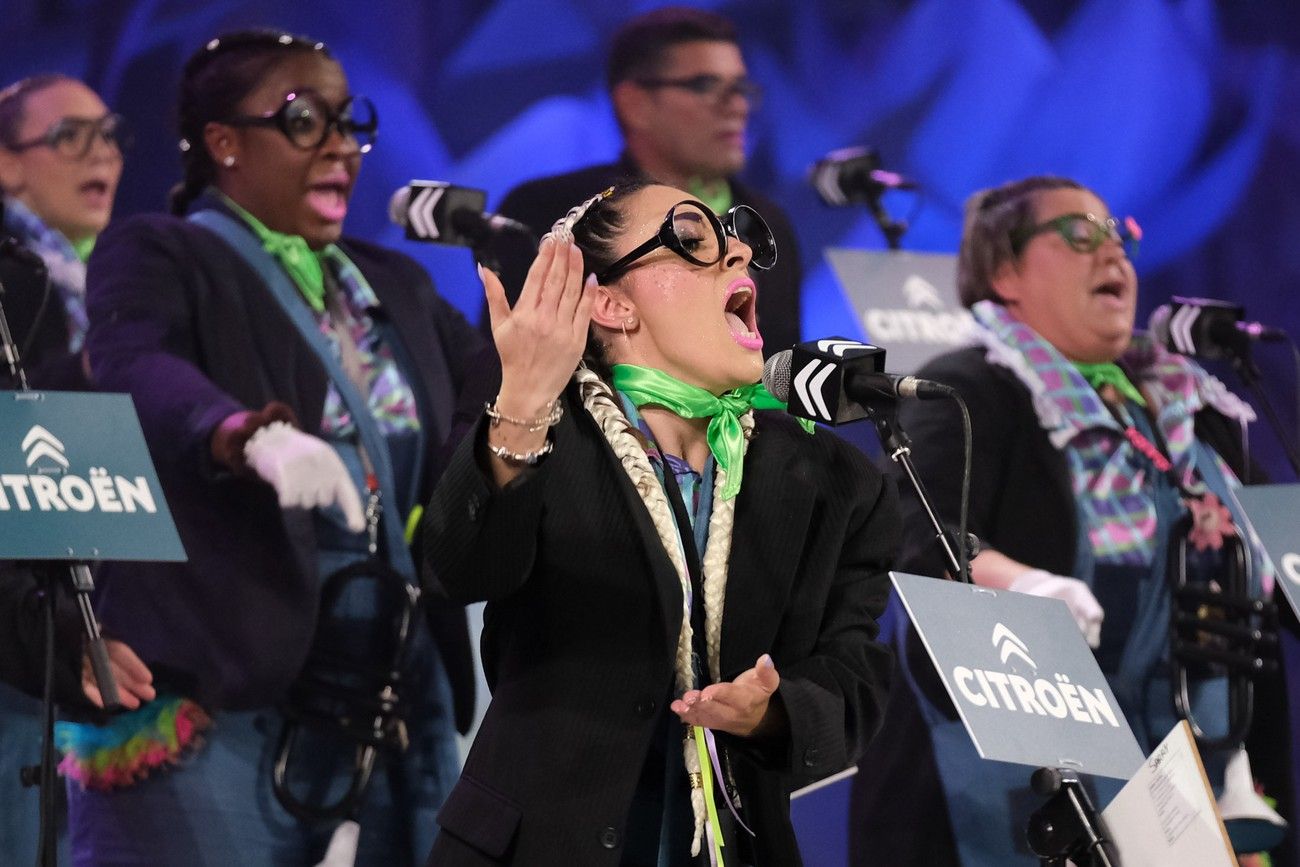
(694,232)
(306,120)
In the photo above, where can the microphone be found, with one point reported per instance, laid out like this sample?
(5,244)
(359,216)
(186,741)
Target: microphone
(1208,328)
(854,175)
(836,381)
(443,213)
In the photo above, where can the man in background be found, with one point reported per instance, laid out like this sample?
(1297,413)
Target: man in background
(682,98)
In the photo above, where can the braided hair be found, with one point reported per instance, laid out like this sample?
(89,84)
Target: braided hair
(593,226)
(214,81)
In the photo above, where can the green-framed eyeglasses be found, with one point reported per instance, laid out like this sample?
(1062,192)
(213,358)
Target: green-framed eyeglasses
(1084,233)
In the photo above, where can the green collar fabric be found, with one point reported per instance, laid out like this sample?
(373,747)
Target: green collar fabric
(302,263)
(646,385)
(1104,373)
(715,194)
(83,247)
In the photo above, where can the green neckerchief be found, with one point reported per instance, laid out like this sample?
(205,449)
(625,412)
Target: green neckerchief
(646,385)
(301,262)
(1103,373)
(715,194)
(83,247)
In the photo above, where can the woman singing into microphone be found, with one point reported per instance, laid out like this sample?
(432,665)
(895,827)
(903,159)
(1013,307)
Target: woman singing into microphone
(681,591)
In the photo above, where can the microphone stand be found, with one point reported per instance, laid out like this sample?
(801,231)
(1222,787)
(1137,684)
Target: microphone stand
(1066,827)
(43,775)
(1250,374)
(898,446)
(892,229)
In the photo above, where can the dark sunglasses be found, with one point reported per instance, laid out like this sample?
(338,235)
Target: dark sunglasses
(1084,233)
(694,232)
(713,88)
(73,137)
(306,120)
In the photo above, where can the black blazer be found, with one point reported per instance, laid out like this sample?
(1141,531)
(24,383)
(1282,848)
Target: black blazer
(188,329)
(539,203)
(582,620)
(39,324)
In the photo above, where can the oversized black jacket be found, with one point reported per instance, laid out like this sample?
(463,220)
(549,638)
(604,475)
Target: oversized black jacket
(184,325)
(583,616)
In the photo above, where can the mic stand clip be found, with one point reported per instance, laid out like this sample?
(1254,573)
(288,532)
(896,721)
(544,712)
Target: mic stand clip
(1066,828)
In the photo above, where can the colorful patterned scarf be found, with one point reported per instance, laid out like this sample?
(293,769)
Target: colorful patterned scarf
(65,263)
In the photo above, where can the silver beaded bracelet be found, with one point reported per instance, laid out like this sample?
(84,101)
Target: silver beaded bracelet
(527,459)
(553,415)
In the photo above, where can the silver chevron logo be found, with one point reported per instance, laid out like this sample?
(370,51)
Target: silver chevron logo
(839,347)
(421,210)
(40,443)
(1008,644)
(808,385)
(1180,328)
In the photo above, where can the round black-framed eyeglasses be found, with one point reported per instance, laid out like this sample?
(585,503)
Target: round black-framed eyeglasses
(306,120)
(694,232)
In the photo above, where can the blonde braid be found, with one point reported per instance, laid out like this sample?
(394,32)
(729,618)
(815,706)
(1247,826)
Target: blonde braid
(562,229)
(599,401)
(717,560)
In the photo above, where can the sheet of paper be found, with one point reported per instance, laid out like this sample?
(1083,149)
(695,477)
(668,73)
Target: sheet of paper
(1166,816)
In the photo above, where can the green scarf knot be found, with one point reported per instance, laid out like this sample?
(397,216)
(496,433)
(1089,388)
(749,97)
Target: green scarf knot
(646,385)
(302,263)
(1104,373)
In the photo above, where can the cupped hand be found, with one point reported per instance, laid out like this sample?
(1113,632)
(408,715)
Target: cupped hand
(540,340)
(742,707)
(133,678)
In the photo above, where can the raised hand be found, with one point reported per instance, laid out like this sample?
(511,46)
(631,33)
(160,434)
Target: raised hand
(742,707)
(540,340)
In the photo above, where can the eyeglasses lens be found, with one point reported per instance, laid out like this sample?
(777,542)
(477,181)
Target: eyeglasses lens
(749,227)
(696,235)
(73,138)
(307,121)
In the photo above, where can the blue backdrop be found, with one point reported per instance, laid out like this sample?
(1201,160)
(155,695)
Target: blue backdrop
(1181,113)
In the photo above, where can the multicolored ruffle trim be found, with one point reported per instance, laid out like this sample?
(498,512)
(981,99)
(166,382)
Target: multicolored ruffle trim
(132,744)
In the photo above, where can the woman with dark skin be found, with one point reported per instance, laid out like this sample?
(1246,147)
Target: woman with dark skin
(223,321)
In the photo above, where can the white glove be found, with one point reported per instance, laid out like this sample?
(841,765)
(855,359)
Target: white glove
(1083,606)
(304,471)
